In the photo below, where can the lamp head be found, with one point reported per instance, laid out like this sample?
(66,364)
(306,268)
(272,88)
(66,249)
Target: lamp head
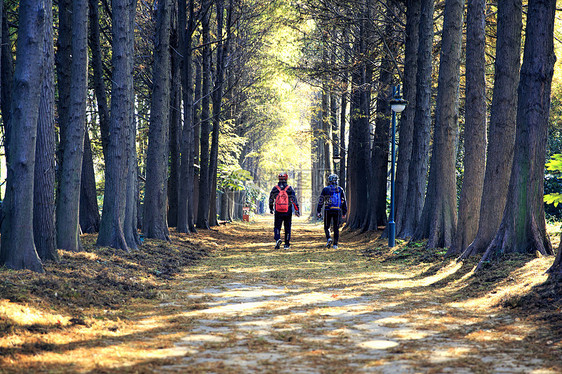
(398,104)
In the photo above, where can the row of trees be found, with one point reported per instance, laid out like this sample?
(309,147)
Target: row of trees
(169,80)
(164,79)
(361,49)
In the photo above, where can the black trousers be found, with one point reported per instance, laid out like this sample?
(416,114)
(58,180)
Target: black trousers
(332,216)
(285,219)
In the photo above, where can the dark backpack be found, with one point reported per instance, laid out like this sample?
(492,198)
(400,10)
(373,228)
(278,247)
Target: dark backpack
(282,200)
(335,198)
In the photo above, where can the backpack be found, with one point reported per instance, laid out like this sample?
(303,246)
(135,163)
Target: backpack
(282,200)
(335,198)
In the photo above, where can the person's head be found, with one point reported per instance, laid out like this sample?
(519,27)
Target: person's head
(283,177)
(333,179)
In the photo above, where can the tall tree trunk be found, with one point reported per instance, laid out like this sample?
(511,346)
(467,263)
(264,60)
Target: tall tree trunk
(175,121)
(523,226)
(185,198)
(131,222)
(113,213)
(89,211)
(196,172)
(406,130)
(502,125)
(417,170)
(204,179)
(97,70)
(326,129)
(359,144)
(63,61)
(474,129)
(44,229)
(217,101)
(68,203)
(439,215)
(343,111)
(7,77)
(18,248)
(155,224)
(315,127)
(379,153)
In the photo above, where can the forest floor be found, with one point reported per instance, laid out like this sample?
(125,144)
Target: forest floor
(225,301)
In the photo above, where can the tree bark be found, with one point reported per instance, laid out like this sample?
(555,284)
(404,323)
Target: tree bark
(417,170)
(89,211)
(359,144)
(196,172)
(474,129)
(175,121)
(439,215)
(217,101)
(7,77)
(204,179)
(97,70)
(18,248)
(63,61)
(131,222)
(68,203)
(523,226)
(114,202)
(315,127)
(502,125)
(381,140)
(155,224)
(44,229)
(406,125)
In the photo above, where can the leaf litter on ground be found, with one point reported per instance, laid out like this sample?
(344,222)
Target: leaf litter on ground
(225,301)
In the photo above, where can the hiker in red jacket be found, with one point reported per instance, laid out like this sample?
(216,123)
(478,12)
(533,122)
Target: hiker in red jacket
(282,201)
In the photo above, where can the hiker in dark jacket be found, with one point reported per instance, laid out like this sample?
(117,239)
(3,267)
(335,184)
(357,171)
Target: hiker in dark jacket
(282,201)
(335,207)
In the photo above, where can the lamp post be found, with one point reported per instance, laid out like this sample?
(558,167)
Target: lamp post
(397,104)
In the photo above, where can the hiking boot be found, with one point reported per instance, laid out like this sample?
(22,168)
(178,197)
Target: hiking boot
(329,244)
(287,246)
(278,244)
(335,246)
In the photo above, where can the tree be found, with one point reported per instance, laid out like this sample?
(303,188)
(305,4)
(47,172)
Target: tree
(155,224)
(97,74)
(439,215)
(44,229)
(217,96)
(523,226)
(132,204)
(18,248)
(406,131)
(175,120)
(379,152)
(89,215)
(417,171)
(185,193)
(205,178)
(115,191)
(6,73)
(359,144)
(68,202)
(502,125)
(474,128)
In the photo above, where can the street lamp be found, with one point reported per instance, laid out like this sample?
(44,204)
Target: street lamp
(397,104)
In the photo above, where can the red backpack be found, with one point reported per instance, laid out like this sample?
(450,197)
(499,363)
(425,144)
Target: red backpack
(282,200)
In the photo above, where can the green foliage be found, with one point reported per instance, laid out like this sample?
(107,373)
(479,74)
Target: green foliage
(553,186)
(232,180)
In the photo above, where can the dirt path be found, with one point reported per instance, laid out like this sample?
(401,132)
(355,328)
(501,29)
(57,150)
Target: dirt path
(252,309)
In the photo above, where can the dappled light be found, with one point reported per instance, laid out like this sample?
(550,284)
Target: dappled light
(246,307)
